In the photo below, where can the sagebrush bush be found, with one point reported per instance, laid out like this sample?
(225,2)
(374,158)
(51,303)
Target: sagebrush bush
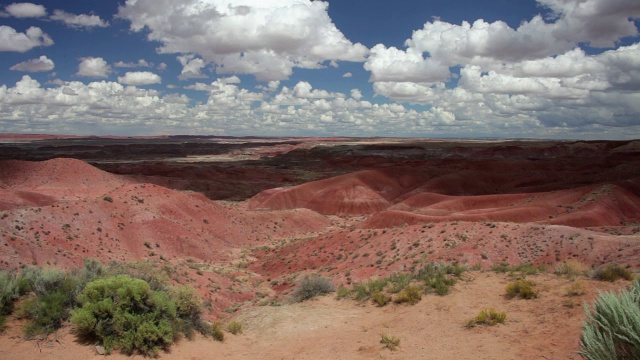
(488,316)
(54,294)
(572,268)
(125,313)
(312,286)
(380,298)
(576,289)
(389,341)
(612,273)
(363,291)
(412,295)
(234,327)
(521,288)
(439,278)
(612,329)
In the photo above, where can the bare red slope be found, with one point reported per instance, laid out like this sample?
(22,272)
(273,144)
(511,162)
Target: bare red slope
(363,192)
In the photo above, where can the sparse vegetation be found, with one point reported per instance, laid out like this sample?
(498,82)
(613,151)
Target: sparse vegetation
(572,268)
(235,327)
(612,329)
(576,289)
(380,298)
(312,286)
(521,288)
(612,273)
(389,341)
(431,278)
(488,316)
(412,295)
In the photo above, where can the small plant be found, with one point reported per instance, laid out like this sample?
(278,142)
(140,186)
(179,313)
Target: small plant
(576,289)
(107,199)
(412,295)
(312,286)
(489,317)
(611,329)
(389,341)
(234,327)
(522,289)
(572,268)
(380,298)
(364,291)
(342,293)
(612,273)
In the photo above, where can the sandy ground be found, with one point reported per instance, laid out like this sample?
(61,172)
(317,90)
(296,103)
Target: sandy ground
(325,328)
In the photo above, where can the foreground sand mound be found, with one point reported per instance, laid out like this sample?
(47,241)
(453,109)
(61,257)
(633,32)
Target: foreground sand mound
(362,192)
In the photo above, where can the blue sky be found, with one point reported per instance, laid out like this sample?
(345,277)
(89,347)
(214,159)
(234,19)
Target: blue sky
(532,69)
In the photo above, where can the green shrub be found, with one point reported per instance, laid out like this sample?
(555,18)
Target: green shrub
(188,310)
(11,288)
(364,291)
(521,288)
(216,332)
(397,282)
(613,273)
(312,286)
(488,317)
(439,278)
(46,312)
(125,313)
(412,295)
(389,341)
(54,294)
(234,327)
(342,293)
(380,298)
(612,329)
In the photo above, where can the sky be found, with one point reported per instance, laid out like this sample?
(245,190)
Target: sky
(544,69)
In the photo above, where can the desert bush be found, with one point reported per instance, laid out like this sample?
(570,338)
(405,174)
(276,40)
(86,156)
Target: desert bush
(489,317)
(11,288)
(389,341)
(380,298)
(312,286)
(363,291)
(54,294)
(397,282)
(439,278)
(125,313)
(576,289)
(518,271)
(572,268)
(612,329)
(521,288)
(234,327)
(188,310)
(215,331)
(612,273)
(342,292)
(412,295)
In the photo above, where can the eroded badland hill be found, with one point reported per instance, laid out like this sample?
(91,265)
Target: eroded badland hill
(242,220)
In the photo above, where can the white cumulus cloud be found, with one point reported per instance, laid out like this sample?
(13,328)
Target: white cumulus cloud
(11,40)
(140,78)
(140,63)
(266,38)
(40,64)
(78,21)
(25,10)
(191,67)
(93,67)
